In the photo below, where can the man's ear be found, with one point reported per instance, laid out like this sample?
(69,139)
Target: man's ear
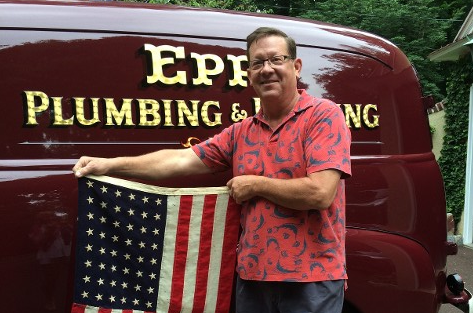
(298,67)
(248,73)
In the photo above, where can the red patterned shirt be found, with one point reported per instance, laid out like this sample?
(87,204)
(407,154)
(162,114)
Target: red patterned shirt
(277,243)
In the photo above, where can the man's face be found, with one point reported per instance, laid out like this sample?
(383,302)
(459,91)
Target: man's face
(271,82)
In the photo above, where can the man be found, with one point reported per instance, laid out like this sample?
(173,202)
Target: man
(288,162)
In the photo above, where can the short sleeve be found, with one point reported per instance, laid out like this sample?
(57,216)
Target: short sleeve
(217,152)
(328,139)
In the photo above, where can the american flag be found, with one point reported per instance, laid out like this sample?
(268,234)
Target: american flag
(143,248)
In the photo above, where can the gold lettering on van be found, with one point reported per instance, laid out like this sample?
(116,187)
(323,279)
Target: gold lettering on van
(239,75)
(158,62)
(126,112)
(80,115)
(358,114)
(149,108)
(256,104)
(203,72)
(32,110)
(191,116)
(366,117)
(208,66)
(205,114)
(350,115)
(116,116)
(190,142)
(151,112)
(167,113)
(58,118)
(237,114)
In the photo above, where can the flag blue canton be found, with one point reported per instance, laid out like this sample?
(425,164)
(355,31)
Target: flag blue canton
(121,234)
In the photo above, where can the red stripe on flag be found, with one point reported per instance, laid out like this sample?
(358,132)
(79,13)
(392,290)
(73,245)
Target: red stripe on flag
(77,308)
(180,254)
(80,308)
(203,262)
(227,267)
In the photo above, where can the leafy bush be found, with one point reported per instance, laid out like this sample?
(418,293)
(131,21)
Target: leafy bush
(453,159)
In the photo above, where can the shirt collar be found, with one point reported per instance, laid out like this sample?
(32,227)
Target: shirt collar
(304,102)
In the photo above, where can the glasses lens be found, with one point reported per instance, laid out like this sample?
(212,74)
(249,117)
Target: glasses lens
(277,60)
(256,64)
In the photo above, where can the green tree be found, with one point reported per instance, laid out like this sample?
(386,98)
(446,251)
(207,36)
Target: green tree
(411,25)
(453,11)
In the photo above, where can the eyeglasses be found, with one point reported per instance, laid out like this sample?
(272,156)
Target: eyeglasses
(273,61)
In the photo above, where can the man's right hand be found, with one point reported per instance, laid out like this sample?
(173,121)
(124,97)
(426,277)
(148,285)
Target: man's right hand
(91,165)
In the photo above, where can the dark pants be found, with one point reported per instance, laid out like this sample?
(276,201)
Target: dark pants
(289,297)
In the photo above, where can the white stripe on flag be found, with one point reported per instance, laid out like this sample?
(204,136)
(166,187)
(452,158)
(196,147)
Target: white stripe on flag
(91,309)
(193,249)
(167,265)
(216,258)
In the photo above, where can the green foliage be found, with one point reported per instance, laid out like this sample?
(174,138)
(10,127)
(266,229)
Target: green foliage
(453,159)
(455,11)
(411,25)
(239,5)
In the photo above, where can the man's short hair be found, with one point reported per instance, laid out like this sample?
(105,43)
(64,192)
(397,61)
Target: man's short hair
(263,32)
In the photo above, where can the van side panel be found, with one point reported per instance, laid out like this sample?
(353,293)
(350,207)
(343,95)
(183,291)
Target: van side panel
(112,79)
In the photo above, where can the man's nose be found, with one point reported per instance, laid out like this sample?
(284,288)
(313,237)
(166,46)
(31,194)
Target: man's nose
(267,66)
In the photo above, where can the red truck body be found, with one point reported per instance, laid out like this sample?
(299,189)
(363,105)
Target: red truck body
(111,79)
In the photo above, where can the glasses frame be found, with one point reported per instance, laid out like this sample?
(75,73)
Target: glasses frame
(257,64)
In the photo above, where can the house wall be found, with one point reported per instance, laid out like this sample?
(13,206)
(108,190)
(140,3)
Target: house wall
(437,123)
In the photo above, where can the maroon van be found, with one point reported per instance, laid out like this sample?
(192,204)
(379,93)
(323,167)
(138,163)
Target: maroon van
(108,79)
